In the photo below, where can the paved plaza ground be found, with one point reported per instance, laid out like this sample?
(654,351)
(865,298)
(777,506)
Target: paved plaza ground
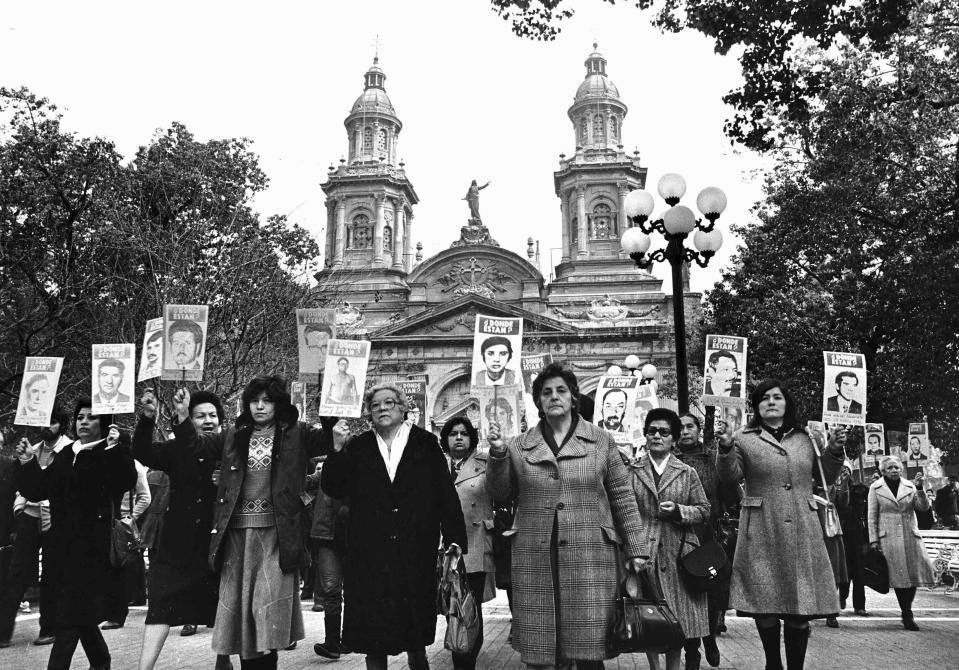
(878,641)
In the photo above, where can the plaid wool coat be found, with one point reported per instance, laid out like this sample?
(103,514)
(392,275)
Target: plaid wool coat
(586,491)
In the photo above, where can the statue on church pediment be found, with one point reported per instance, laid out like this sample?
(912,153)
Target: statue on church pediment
(472,199)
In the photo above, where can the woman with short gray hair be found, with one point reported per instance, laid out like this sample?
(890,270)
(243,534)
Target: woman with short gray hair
(402,501)
(892,530)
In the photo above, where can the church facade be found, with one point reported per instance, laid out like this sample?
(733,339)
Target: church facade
(419,313)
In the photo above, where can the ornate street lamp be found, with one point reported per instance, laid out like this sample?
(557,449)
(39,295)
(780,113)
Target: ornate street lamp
(674,224)
(647,372)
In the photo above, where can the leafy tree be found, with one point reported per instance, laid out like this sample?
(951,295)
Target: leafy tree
(91,248)
(777,85)
(855,249)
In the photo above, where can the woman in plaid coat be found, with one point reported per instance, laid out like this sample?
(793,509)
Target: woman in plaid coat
(575,508)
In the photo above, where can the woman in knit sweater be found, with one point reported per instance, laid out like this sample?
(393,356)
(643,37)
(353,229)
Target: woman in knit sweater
(256,542)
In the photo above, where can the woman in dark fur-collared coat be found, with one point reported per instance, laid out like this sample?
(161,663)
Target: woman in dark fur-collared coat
(402,500)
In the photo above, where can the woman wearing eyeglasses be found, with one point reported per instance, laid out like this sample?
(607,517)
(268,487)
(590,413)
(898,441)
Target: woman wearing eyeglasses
(402,501)
(781,570)
(574,509)
(670,495)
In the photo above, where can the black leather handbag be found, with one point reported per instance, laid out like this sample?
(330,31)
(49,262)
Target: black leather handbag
(705,568)
(125,547)
(643,620)
(875,571)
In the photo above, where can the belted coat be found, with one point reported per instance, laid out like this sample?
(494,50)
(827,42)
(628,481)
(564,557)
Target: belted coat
(892,523)
(585,492)
(394,528)
(781,565)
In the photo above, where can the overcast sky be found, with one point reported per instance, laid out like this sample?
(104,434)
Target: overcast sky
(476,101)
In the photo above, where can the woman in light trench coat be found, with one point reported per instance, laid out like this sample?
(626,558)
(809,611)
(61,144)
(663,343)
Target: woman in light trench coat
(575,507)
(893,502)
(781,569)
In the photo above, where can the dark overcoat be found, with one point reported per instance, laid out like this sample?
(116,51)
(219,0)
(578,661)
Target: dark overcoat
(892,523)
(294,443)
(185,532)
(781,565)
(389,580)
(586,492)
(82,497)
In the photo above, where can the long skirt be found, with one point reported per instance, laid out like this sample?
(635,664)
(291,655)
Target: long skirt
(259,606)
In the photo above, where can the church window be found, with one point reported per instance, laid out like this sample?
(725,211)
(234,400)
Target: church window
(387,239)
(599,133)
(613,128)
(583,127)
(601,223)
(367,139)
(574,230)
(360,233)
(381,142)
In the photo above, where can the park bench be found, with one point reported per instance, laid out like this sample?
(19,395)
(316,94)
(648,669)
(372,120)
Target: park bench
(942,546)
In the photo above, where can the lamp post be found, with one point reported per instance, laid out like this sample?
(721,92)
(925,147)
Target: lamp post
(675,224)
(646,373)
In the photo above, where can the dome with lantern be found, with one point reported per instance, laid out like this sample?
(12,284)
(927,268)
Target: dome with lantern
(596,86)
(373,99)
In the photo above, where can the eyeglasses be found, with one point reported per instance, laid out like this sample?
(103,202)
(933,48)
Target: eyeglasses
(662,432)
(386,404)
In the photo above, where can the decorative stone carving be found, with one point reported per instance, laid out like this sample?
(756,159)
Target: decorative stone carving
(472,234)
(473,278)
(347,315)
(606,309)
(466,320)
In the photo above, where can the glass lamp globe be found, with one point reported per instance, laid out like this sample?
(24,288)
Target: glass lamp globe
(708,242)
(614,371)
(632,361)
(639,203)
(671,186)
(679,220)
(635,241)
(649,371)
(711,201)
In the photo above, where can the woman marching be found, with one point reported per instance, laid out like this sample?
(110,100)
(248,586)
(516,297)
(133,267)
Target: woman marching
(84,484)
(670,495)
(574,508)
(256,541)
(781,570)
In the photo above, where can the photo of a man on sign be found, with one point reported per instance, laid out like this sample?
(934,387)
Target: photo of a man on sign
(344,378)
(847,383)
(184,327)
(314,329)
(497,343)
(844,389)
(38,389)
(613,410)
(724,371)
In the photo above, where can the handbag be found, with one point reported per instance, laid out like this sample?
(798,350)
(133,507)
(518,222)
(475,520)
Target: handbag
(875,571)
(125,545)
(643,620)
(462,611)
(830,518)
(706,568)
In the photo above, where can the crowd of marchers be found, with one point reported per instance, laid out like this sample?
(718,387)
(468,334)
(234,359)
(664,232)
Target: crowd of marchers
(242,522)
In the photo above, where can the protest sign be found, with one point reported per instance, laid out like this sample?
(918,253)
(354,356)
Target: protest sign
(314,330)
(184,335)
(344,378)
(532,365)
(875,445)
(415,390)
(497,347)
(502,405)
(818,434)
(38,390)
(732,416)
(917,449)
(644,400)
(151,357)
(298,398)
(112,378)
(844,389)
(724,373)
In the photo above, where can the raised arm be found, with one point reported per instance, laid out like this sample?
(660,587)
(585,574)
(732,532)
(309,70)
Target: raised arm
(336,480)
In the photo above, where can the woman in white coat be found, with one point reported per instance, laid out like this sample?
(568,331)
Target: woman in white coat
(893,502)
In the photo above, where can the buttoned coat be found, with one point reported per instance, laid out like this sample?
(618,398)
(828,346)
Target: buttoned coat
(477,513)
(585,492)
(389,573)
(666,541)
(892,523)
(781,565)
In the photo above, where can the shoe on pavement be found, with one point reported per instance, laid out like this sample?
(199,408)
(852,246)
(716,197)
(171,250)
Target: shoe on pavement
(692,661)
(712,655)
(111,625)
(832,622)
(316,608)
(44,638)
(910,624)
(861,613)
(330,651)
(4,643)
(188,630)
(292,646)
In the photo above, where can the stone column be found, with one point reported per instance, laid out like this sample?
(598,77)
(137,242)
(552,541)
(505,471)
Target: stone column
(564,210)
(407,237)
(378,231)
(621,221)
(340,240)
(399,238)
(583,227)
